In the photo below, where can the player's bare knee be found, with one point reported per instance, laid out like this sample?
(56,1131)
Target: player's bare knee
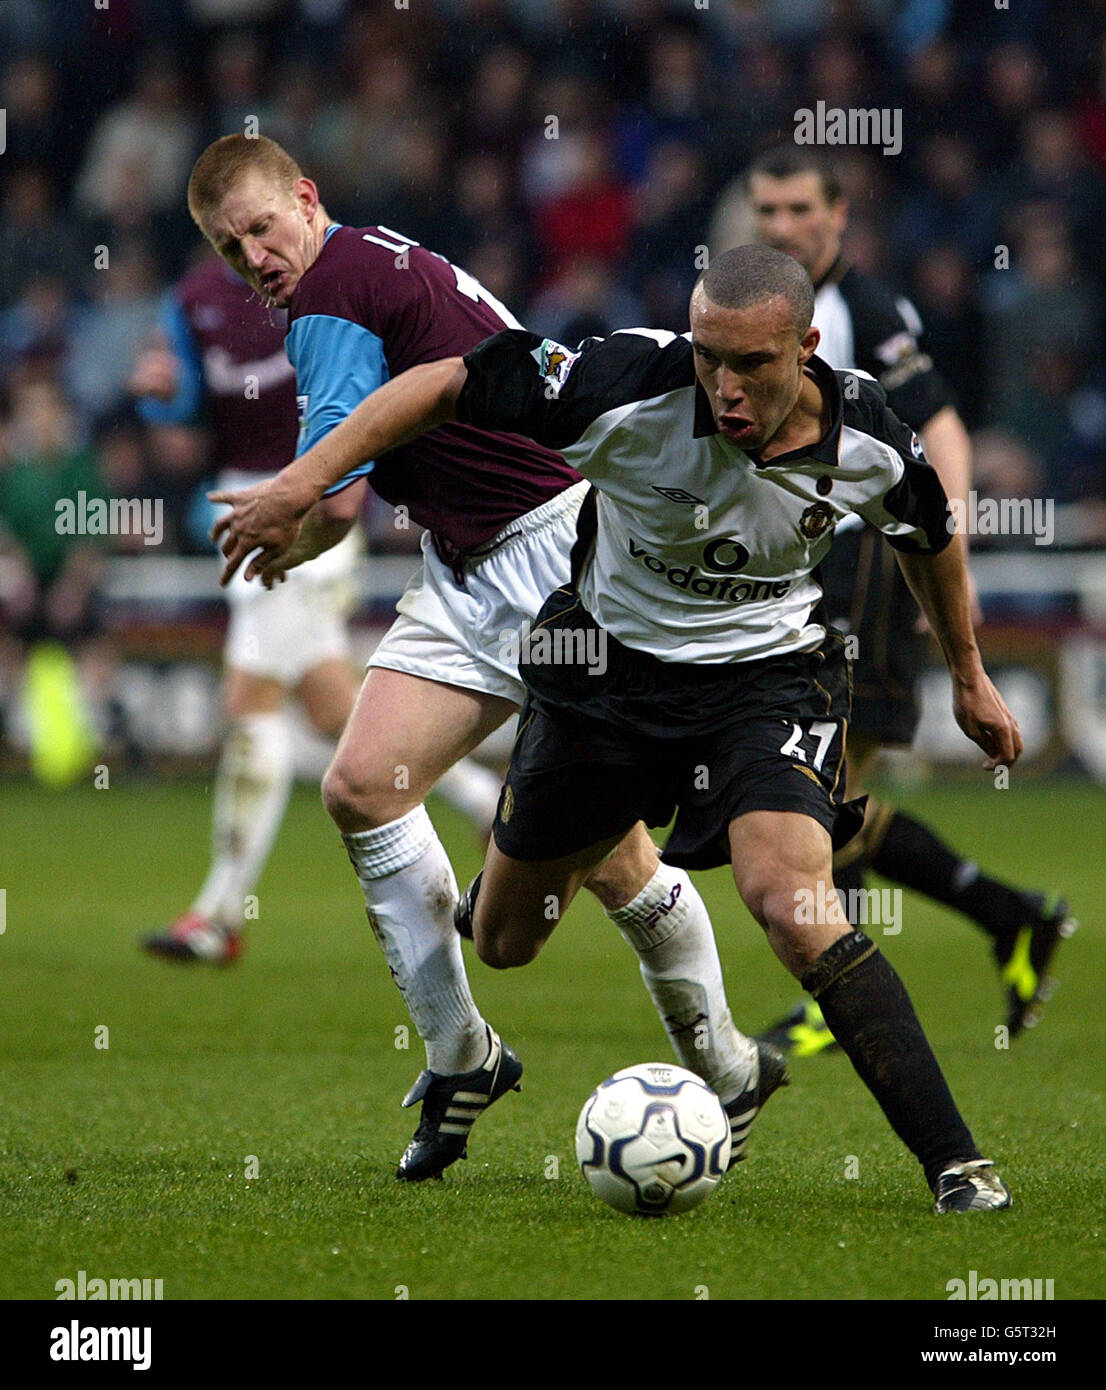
(504,950)
(355,804)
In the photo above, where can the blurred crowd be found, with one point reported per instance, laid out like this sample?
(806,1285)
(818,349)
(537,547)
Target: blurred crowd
(574,155)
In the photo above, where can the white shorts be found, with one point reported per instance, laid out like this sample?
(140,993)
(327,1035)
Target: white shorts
(284,632)
(459,636)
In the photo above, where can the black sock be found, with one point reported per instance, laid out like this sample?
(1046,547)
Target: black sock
(871,1016)
(909,853)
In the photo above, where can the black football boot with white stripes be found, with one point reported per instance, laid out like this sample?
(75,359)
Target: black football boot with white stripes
(451,1105)
(971,1186)
(771,1074)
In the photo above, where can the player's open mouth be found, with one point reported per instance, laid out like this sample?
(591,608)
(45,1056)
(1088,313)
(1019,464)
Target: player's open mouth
(734,427)
(271,282)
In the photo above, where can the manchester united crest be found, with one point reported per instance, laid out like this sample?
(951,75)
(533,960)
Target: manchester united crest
(817,518)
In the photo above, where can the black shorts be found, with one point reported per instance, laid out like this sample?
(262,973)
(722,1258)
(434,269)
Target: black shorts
(866,597)
(646,739)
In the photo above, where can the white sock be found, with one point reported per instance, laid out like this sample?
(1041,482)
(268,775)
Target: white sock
(668,926)
(473,789)
(251,794)
(410,893)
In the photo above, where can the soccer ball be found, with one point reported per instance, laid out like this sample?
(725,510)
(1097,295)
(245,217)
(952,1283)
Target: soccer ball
(653,1139)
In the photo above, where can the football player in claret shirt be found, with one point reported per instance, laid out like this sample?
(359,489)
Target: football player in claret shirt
(365,304)
(220,366)
(722,462)
(799,208)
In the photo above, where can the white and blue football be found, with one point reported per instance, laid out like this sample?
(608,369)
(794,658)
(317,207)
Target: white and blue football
(653,1139)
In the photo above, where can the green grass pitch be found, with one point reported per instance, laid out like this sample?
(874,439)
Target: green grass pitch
(132,1160)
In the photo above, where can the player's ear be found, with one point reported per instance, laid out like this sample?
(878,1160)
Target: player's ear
(307,195)
(808,344)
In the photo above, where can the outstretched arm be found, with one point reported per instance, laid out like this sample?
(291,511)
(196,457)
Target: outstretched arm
(939,583)
(268,517)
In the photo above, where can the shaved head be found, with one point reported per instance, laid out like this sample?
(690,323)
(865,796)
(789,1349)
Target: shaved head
(749,275)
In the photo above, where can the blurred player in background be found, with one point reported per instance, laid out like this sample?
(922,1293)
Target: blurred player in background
(500,516)
(798,208)
(221,365)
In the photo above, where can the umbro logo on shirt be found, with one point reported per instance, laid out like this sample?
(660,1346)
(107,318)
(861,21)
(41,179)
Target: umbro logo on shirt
(679,494)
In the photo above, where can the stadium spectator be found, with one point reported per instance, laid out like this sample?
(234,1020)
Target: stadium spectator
(37,330)
(590,217)
(473,28)
(110,329)
(494,107)
(154,131)
(35,237)
(946,298)
(487,213)
(297,106)
(587,300)
(1035,302)
(502,266)
(1014,84)
(418,203)
(671,208)
(48,462)
(1052,168)
(34,101)
(355,142)
(937,99)
(236,79)
(950,200)
(678,102)
(1004,467)
(757,103)
(52,546)
(1090,106)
